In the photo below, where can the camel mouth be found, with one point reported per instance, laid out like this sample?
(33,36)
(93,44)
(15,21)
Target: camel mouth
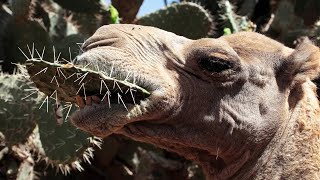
(102,114)
(116,96)
(105,117)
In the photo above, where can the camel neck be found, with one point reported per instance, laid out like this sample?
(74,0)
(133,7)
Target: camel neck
(294,152)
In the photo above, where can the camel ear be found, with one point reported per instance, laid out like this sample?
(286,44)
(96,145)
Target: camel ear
(301,65)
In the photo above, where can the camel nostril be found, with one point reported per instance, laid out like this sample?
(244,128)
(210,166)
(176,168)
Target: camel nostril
(98,41)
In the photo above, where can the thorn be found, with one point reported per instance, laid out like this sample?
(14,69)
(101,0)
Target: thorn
(32,50)
(81,77)
(86,158)
(42,54)
(78,166)
(70,106)
(87,65)
(44,70)
(39,54)
(67,169)
(54,77)
(80,49)
(119,97)
(60,71)
(72,134)
(74,60)
(108,94)
(115,82)
(65,60)
(89,151)
(111,69)
(134,102)
(56,98)
(70,75)
(128,170)
(58,57)
(97,141)
(46,99)
(35,91)
(128,76)
(84,91)
(54,54)
(70,58)
(30,89)
(23,53)
(102,82)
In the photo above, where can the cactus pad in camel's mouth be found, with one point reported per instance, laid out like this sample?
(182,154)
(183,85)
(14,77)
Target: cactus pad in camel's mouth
(72,83)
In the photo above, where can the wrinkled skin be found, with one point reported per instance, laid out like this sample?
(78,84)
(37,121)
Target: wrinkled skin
(218,102)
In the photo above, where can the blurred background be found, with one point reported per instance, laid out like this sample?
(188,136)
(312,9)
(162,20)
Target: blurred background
(34,146)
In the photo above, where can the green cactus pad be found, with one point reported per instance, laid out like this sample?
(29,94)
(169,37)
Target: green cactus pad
(186,19)
(23,108)
(16,108)
(69,80)
(61,144)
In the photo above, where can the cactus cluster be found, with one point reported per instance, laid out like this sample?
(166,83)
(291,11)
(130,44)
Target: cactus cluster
(26,112)
(47,23)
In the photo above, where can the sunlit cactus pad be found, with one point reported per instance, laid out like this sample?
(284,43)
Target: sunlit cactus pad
(68,81)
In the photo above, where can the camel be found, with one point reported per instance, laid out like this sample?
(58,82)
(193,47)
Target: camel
(242,106)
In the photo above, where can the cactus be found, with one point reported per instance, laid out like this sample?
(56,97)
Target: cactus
(186,19)
(52,25)
(233,21)
(73,80)
(224,15)
(23,106)
(17,118)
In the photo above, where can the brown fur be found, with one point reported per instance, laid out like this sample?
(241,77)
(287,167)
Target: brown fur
(242,106)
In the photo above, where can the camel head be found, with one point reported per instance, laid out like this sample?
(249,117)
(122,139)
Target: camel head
(218,102)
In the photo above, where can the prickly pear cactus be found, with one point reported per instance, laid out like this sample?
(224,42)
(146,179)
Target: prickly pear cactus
(16,108)
(186,19)
(69,80)
(62,145)
(233,21)
(22,107)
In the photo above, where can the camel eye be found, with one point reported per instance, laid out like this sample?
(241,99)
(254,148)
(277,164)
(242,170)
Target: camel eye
(214,64)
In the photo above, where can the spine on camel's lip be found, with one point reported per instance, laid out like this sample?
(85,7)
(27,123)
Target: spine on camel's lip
(66,81)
